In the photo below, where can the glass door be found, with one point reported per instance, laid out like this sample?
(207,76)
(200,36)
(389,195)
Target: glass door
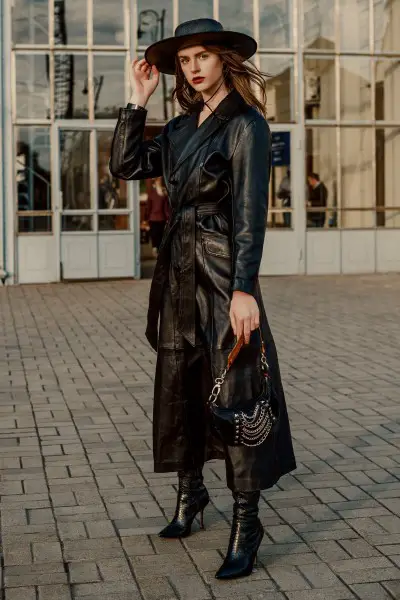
(285,235)
(96,216)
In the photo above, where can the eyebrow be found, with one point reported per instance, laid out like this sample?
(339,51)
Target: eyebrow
(197,54)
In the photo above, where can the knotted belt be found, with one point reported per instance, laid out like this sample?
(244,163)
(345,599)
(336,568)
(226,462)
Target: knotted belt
(186,283)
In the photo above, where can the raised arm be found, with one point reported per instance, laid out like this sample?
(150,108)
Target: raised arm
(131,156)
(251,167)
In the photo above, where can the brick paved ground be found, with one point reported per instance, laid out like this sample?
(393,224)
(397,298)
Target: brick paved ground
(80,506)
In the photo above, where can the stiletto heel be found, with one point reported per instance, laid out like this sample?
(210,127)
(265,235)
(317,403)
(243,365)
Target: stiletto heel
(192,499)
(202,519)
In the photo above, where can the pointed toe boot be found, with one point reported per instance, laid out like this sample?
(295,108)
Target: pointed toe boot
(246,535)
(192,499)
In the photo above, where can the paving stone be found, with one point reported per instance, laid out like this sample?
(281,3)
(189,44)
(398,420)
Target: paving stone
(21,593)
(54,592)
(84,572)
(371,591)
(288,578)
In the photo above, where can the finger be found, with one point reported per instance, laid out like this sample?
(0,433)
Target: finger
(156,72)
(233,323)
(247,330)
(239,328)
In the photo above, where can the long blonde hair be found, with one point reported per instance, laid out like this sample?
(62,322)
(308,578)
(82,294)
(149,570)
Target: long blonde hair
(238,75)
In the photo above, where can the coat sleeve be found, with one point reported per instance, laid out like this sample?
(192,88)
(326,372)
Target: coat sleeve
(131,156)
(251,163)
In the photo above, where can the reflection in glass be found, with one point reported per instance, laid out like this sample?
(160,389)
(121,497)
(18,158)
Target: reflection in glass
(280,192)
(40,224)
(355,81)
(30,22)
(321,159)
(75,169)
(354,25)
(387,152)
(108,25)
(280,87)
(32,86)
(109,85)
(386,18)
(236,15)
(319,87)
(70,22)
(193,9)
(318,24)
(70,86)
(154,21)
(33,176)
(387,81)
(275,23)
(77,223)
(357,184)
(112,193)
(113,222)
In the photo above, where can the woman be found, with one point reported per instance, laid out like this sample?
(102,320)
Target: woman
(215,160)
(156,212)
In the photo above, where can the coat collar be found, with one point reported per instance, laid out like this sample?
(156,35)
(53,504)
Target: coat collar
(187,138)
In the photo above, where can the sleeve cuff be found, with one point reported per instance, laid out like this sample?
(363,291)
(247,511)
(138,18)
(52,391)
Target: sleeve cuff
(244,285)
(131,106)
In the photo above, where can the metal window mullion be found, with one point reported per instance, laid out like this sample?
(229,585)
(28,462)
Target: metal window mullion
(297,96)
(89,22)
(216,9)
(90,64)
(94,178)
(175,14)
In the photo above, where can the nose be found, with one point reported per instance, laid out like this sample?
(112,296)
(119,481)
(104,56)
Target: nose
(195,66)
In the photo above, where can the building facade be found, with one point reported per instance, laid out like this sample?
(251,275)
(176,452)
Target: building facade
(333,108)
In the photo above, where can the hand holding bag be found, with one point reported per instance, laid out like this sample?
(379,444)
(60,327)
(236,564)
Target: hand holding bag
(248,427)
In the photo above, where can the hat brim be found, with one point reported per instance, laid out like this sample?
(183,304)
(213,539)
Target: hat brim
(162,54)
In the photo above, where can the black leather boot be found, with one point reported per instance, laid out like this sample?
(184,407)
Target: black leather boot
(246,535)
(192,499)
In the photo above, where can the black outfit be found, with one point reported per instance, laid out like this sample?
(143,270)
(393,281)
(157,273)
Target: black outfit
(318,197)
(217,179)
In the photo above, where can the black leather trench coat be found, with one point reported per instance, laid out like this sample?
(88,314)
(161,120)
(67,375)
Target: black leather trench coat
(217,179)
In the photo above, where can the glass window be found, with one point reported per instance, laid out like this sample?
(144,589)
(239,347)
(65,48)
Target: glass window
(70,22)
(322,177)
(154,21)
(357,189)
(236,15)
(280,88)
(280,196)
(354,25)
(193,9)
(114,223)
(319,87)
(108,25)
(319,24)
(355,91)
(30,22)
(387,154)
(75,169)
(70,86)
(275,23)
(32,86)
(387,81)
(386,18)
(112,193)
(33,177)
(109,85)
(77,223)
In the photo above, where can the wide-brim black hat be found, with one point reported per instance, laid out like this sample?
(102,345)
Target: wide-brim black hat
(197,32)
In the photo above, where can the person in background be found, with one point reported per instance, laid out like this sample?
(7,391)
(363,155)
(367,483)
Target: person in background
(318,197)
(157,212)
(284,194)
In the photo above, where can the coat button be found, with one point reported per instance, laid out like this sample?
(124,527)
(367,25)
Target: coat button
(173,181)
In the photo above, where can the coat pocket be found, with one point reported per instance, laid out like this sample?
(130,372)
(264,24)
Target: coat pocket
(216,244)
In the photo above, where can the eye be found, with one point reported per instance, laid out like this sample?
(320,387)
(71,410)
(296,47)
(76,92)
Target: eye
(204,56)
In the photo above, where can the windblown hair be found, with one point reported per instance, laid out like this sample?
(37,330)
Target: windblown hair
(244,77)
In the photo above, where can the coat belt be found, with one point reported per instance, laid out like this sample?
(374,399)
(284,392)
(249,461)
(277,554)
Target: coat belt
(186,292)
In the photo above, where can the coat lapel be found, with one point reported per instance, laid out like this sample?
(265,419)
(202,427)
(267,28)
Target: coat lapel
(188,138)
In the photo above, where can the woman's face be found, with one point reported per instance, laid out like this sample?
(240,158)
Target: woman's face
(201,68)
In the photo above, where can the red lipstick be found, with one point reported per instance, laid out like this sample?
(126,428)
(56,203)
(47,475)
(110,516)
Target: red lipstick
(197,79)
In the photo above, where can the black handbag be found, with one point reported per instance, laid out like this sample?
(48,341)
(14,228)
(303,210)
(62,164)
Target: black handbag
(251,426)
